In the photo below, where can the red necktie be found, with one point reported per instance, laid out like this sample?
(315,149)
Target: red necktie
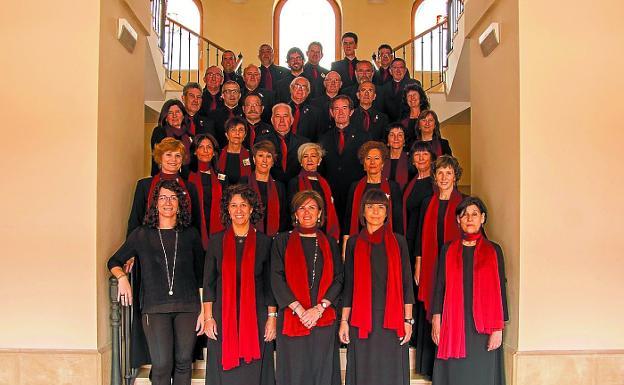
(268,79)
(295,123)
(252,134)
(314,73)
(351,69)
(192,127)
(230,113)
(396,88)
(284,152)
(341,141)
(213,103)
(385,74)
(366,120)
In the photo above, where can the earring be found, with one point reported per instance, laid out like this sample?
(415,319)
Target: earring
(296,221)
(318,221)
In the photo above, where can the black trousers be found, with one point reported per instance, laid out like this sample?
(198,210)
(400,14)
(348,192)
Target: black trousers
(170,339)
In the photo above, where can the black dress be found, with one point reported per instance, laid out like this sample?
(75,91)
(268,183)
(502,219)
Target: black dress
(260,372)
(378,359)
(479,367)
(311,359)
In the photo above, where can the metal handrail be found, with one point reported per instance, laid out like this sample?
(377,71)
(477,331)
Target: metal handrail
(420,35)
(122,372)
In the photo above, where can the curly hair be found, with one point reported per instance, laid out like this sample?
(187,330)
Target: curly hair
(300,197)
(424,100)
(183,218)
(436,130)
(373,145)
(167,144)
(248,194)
(448,161)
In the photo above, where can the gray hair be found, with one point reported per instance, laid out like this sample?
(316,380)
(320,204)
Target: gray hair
(310,146)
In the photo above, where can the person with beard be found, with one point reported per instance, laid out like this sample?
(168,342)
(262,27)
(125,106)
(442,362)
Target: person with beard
(312,69)
(384,58)
(392,91)
(331,84)
(306,117)
(366,116)
(346,66)
(294,59)
(173,122)
(228,63)
(192,99)
(271,74)
(230,93)
(252,111)
(251,77)
(211,97)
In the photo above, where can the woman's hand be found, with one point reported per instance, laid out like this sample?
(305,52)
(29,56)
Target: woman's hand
(343,332)
(417,271)
(310,317)
(128,265)
(408,333)
(124,291)
(210,327)
(199,326)
(270,329)
(435,328)
(495,340)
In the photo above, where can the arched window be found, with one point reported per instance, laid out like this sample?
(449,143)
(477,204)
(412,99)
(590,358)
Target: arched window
(297,23)
(426,14)
(189,14)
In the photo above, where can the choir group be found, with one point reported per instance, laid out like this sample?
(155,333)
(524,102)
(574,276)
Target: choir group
(292,211)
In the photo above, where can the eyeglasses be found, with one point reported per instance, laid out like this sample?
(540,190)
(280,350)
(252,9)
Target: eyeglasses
(213,75)
(164,198)
(300,86)
(233,92)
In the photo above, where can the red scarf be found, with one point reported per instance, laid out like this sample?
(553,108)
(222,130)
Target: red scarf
(272,211)
(240,333)
(215,201)
(160,176)
(401,171)
(244,170)
(332,227)
(436,146)
(362,308)
(357,198)
(430,242)
(487,304)
(297,280)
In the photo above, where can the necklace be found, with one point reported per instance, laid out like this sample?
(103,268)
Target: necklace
(314,262)
(175,254)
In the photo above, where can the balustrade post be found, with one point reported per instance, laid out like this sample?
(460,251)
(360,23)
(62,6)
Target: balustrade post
(115,318)
(162,22)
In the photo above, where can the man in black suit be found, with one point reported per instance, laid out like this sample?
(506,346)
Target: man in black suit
(332,84)
(192,99)
(394,103)
(252,110)
(366,116)
(364,72)
(251,77)
(270,73)
(287,165)
(341,165)
(295,59)
(384,58)
(306,118)
(228,62)
(230,93)
(312,69)
(211,97)
(346,66)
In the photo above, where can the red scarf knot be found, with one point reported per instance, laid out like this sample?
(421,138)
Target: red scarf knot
(216,192)
(357,198)
(272,209)
(332,226)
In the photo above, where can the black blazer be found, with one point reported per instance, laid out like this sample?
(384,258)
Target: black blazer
(207,99)
(342,67)
(293,166)
(277,73)
(309,125)
(282,89)
(322,105)
(317,87)
(394,103)
(378,122)
(203,124)
(220,116)
(235,77)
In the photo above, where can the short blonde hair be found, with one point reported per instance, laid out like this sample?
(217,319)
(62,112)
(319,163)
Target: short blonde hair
(167,144)
(310,146)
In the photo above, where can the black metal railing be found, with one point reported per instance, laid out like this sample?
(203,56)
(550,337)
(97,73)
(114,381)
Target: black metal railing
(122,372)
(455,9)
(159,14)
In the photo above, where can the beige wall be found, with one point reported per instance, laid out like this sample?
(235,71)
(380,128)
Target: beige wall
(457,131)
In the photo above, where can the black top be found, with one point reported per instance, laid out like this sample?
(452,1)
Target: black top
(207,99)
(316,85)
(220,116)
(293,166)
(309,125)
(232,167)
(379,273)
(261,128)
(283,294)
(396,198)
(282,88)
(342,67)
(144,243)
(422,189)
(378,122)
(277,73)
(443,204)
(284,219)
(321,102)
(394,101)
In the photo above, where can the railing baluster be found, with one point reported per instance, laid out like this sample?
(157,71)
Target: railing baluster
(115,318)
(422,61)
(180,57)
(188,76)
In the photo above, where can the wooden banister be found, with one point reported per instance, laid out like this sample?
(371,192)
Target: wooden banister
(195,34)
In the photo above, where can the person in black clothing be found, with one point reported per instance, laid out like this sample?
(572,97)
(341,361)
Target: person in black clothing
(429,131)
(239,308)
(394,103)
(252,110)
(332,85)
(346,66)
(230,93)
(306,277)
(228,63)
(295,59)
(306,117)
(340,165)
(286,143)
(366,115)
(376,320)
(417,101)
(234,160)
(270,73)
(363,73)
(192,99)
(173,122)
(171,257)
(211,97)
(312,69)
(251,77)
(468,329)
(384,58)
(397,167)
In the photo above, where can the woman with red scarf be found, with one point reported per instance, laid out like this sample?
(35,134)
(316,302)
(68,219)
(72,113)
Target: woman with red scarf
(235,161)
(239,307)
(306,276)
(310,156)
(415,99)
(397,168)
(437,227)
(376,320)
(469,304)
(209,184)
(429,131)
(174,122)
(270,191)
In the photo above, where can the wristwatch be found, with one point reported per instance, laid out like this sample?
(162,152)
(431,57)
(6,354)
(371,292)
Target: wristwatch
(324,305)
(274,315)
(409,321)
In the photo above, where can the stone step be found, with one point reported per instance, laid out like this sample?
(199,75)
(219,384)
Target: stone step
(199,370)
